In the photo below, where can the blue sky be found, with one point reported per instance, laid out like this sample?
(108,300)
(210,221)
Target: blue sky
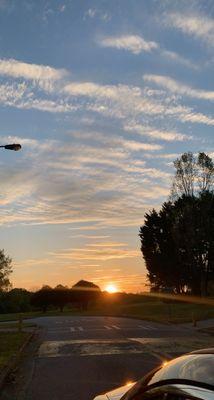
(103,96)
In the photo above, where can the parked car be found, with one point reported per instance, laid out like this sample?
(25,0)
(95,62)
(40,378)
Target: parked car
(188,377)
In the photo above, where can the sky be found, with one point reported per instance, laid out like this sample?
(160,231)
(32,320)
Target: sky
(103,96)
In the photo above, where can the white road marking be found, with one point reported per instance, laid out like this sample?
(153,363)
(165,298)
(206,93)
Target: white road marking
(58,330)
(149,327)
(143,327)
(107,327)
(80,328)
(115,327)
(72,329)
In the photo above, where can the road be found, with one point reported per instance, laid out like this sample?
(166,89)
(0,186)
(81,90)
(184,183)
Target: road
(80,357)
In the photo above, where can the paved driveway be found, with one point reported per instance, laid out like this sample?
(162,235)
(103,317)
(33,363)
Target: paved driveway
(79,357)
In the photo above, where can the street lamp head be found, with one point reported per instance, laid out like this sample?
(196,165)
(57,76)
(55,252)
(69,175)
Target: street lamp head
(14,146)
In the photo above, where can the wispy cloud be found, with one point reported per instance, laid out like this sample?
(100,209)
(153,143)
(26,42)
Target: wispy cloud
(196,25)
(137,146)
(179,59)
(137,44)
(99,253)
(107,195)
(134,43)
(154,133)
(91,237)
(175,86)
(120,101)
(43,74)
(92,13)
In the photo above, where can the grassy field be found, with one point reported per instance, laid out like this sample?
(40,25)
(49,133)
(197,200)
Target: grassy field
(10,343)
(153,310)
(172,313)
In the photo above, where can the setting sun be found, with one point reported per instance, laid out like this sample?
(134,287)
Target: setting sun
(111,288)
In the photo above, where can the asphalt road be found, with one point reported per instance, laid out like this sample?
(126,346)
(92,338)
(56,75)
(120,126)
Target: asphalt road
(80,357)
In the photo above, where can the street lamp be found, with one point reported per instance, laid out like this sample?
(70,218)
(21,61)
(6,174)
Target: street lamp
(14,146)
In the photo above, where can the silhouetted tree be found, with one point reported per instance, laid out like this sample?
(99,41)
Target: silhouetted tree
(42,299)
(60,297)
(5,271)
(61,287)
(194,175)
(159,250)
(84,293)
(178,244)
(18,300)
(178,241)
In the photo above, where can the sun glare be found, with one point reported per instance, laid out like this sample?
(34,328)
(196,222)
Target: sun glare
(111,288)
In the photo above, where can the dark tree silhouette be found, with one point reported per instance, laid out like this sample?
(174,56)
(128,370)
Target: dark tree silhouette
(42,299)
(5,271)
(84,293)
(60,297)
(159,251)
(178,244)
(178,241)
(81,295)
(194,175)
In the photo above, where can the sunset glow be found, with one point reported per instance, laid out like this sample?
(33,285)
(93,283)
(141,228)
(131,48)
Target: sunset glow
(102,105)
(111,288)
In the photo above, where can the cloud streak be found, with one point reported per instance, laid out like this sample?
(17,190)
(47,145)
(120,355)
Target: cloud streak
(175,86)
(153,133)
(198,26)
(19,69)
(137,45)
(99,253)
(133,43)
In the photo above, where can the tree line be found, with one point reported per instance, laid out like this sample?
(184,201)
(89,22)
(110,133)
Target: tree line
(82,295)
(177,241)
(80,298)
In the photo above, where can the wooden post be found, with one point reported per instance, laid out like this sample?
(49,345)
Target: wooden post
(194,320)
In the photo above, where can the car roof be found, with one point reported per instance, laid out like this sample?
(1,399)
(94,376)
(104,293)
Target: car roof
(196,366)
(203,351)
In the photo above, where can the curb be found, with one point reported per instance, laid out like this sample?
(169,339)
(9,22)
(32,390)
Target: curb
(14,361)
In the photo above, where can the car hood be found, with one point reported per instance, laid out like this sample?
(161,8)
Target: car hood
(115,394)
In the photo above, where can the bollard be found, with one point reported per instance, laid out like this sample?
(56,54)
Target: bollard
(194,320)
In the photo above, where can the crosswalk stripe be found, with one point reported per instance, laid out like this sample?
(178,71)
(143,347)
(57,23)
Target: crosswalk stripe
(149,327)
(143,327)
(80,328)
(115,326)
(107,327)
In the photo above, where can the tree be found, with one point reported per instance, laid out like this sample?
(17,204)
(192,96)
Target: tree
(194,174)
(5,271)
(14,301)
(193,231)
(178,244)
(43,298)
(159,251)
(84,292)
(60,297)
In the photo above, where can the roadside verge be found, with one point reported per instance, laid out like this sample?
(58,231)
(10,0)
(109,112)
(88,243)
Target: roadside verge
(12,345)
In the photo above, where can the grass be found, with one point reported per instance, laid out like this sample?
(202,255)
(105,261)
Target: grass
(154,310)
(15,325)
(15,316)
(158,311)
(173,313)
(10,343)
